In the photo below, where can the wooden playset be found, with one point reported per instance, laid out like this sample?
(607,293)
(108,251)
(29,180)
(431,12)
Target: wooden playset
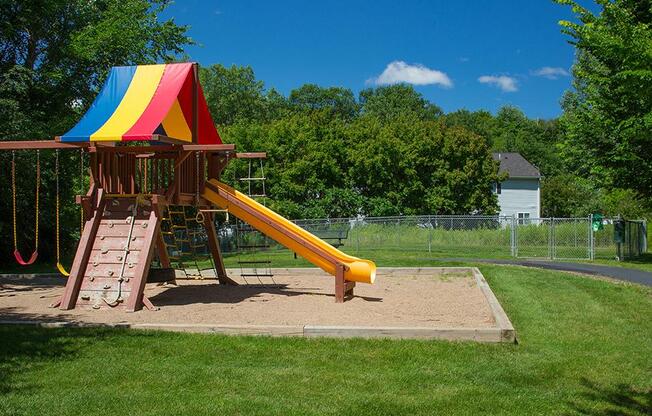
(151,143)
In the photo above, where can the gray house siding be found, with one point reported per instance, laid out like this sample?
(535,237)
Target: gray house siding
(520,195)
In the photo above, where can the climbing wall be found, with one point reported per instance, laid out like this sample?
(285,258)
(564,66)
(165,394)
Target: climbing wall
(121,253)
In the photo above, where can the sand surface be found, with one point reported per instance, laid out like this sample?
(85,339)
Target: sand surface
(441,298)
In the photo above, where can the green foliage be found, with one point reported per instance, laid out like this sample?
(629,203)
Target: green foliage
(512,131)
(233,93)
(320,166)
(624,202)
(394,100)
(60,51)
(567,195)
(570,196)
(608,117)
(340,101)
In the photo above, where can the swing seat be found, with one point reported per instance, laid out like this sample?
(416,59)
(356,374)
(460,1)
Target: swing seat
(62,270)
(22,262)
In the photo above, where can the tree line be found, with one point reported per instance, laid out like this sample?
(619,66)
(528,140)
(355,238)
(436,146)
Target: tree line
(332,153)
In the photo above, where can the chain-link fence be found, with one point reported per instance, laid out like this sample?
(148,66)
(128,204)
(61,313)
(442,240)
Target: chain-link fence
(456,236)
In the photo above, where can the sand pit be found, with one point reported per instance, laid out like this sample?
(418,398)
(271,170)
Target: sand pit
(429,302)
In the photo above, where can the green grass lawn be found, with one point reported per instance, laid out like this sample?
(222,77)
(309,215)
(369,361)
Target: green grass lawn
(396,257)
(585,348)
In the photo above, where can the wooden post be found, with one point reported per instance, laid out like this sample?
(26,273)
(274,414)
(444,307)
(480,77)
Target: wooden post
(343,288)
(161,248)
(69,298)
(195,101)
(135,301)
(214,246)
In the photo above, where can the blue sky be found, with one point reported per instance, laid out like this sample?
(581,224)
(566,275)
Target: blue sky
(459,54)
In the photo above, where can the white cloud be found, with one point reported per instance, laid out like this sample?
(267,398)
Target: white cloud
(551,72)
(505,83)
(397,72)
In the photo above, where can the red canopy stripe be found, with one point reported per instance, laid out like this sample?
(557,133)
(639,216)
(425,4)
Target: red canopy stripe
(174,77)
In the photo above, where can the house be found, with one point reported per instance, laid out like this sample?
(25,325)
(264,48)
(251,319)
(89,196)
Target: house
(520,194)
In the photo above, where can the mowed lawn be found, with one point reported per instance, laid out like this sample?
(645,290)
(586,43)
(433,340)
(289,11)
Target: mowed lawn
(585,346)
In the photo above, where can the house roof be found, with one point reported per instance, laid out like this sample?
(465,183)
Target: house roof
(516,165)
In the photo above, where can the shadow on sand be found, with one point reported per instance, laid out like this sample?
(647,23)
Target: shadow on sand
(214,293)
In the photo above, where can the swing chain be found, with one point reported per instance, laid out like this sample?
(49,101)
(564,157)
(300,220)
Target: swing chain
(56,175)
(13,197)
(13,194)
(38,182)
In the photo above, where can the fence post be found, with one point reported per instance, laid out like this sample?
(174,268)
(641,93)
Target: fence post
(591,246)
(644,232)
(551,238)
(429,233)
(356,224)
(513,237)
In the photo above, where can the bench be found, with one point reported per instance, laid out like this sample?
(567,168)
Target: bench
(332,237)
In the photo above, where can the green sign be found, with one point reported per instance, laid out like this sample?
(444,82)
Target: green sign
(597,222)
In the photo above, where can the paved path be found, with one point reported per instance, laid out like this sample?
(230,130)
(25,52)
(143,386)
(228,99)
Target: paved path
(621,273)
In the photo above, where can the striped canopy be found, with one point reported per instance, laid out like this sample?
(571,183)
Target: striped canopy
(139,102)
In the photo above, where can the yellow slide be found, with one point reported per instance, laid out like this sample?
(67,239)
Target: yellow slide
(285,232)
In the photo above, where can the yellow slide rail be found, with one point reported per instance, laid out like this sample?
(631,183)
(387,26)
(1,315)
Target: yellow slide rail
(290,235)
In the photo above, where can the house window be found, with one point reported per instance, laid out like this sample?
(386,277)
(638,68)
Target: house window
(523,217)
(499,188)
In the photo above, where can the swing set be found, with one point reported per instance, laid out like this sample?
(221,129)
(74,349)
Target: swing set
(37,205)
(151,144)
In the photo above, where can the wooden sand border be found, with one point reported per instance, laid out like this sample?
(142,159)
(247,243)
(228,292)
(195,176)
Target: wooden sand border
(502,332)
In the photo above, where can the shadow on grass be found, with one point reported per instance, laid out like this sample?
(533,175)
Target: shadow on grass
(621,399)
(212,293)
(645,258)
(25,349)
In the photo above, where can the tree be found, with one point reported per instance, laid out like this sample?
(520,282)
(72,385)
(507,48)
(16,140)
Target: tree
(233,94)
(391,101)
(566,195)
(607,118)
(61,50)
(536,140)
(479,122)
(414,166)
(339,101)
